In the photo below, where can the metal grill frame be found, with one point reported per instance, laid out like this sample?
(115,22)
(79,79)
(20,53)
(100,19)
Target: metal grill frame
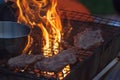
(74,16)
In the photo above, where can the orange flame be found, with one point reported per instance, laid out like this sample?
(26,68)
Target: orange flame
(43,14)
(49,22)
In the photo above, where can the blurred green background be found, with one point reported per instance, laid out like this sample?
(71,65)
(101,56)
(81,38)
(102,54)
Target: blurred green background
(99,6)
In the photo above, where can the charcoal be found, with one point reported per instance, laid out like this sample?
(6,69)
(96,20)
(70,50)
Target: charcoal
(88,38)
(57,62)
(23,60)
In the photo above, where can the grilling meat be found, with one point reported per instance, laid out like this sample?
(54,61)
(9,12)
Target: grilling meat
(88,38)
(23,60)
(58,62)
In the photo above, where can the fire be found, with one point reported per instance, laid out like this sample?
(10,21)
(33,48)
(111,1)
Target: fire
(43,14)
(30,13)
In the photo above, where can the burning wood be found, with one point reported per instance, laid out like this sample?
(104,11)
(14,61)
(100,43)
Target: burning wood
(88,38)
(58,62)
(23,60)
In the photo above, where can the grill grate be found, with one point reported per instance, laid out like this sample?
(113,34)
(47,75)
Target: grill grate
(87,17)
(79,22)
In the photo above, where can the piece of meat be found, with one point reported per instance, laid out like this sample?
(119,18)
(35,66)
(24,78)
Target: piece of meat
(23,60)
(57,62)
(83,54)
(88,38)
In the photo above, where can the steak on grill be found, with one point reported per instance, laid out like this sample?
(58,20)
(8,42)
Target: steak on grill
(58,62)
(23,60)
(88,38)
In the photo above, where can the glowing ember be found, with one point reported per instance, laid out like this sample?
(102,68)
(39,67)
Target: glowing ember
(43,14)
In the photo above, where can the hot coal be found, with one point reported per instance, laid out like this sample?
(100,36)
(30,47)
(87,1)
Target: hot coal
(88,38)
(23,60)
(58,62)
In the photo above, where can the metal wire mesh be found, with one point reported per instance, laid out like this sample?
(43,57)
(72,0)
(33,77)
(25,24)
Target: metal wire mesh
(79,21)
(87,17)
